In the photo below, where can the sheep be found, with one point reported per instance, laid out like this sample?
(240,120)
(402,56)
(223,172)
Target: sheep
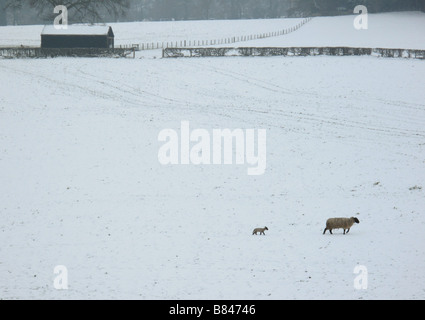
(340,223)
(260,230)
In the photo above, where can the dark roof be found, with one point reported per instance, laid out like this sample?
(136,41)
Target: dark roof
(78,30)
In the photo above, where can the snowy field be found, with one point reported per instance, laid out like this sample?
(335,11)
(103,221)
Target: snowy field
(148,32)
(81,184)
(387,30)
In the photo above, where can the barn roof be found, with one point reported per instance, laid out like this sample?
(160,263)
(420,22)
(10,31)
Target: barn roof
(73,30)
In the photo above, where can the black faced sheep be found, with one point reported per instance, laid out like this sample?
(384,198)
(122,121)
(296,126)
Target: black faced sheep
(340,223)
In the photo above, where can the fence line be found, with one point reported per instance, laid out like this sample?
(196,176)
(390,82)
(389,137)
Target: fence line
(292,51)
(19,52)
(212,42)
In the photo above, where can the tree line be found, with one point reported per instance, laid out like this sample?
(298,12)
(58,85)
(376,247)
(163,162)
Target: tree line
(41,11)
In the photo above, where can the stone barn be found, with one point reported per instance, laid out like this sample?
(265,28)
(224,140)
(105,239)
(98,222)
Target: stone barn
(78,36)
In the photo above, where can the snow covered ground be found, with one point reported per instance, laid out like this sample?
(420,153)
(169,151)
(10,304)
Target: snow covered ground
(385,30)
(148,32)
(81,184)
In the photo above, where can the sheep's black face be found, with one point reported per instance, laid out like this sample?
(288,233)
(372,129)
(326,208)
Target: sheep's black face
(266,228)
(356,220)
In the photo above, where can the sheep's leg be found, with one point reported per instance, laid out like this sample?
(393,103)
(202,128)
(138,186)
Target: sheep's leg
(330,231)
(348,230)
(344,231)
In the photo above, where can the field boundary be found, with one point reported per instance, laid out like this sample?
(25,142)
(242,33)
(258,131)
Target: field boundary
(213,42)
(22,52)
(290,51)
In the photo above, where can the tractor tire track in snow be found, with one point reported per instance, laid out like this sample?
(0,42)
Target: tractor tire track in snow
(300,97)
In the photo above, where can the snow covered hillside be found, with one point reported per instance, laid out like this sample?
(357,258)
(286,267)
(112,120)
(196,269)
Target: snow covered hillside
(147,32)
(81,184)
(385,30)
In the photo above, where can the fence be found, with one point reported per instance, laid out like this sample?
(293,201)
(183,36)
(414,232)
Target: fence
(295,51)
(71,52)
(227,40)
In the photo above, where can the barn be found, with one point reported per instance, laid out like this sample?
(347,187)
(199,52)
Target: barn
(78,36)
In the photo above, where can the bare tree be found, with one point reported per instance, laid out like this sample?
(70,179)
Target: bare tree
(14,7)
(206,8)
(40,11)
(83,10)
(3,20)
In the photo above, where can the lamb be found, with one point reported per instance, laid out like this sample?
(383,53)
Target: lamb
(340,223)
(260,230)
